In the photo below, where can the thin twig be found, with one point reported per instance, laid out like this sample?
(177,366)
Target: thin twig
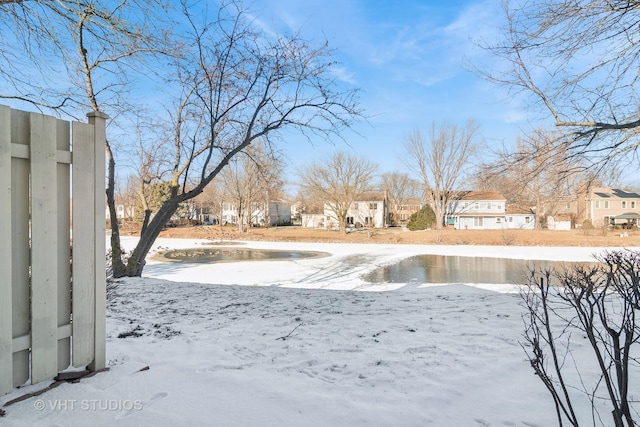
(289,334)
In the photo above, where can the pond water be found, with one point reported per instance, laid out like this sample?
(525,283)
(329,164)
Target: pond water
(220,254)
(459,269)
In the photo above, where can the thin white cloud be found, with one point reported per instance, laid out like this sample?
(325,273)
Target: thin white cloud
(343,74)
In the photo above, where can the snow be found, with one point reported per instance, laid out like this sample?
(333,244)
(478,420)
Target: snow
(307,343)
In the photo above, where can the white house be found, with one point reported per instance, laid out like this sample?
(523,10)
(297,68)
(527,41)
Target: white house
(520,219)
(477,210)
(122,212)
(312,220)
(486,210)
(263,214)
(370,211)
(559,222)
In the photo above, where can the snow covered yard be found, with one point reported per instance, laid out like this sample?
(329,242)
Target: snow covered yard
(275,352)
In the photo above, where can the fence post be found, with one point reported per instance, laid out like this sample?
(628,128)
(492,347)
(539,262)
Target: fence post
(98,120)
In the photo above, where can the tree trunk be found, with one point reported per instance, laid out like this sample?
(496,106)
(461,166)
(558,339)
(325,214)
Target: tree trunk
(136,261)
(240,219)
(117,265)
(343,225)
(145,221)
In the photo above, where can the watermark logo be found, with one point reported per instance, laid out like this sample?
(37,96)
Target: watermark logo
(115,405)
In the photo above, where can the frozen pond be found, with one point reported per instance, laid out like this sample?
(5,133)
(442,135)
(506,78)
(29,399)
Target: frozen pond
(231,254)
(459,269)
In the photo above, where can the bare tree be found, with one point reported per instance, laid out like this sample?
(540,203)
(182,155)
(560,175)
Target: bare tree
(308,204)
(210,201)
(248,182)
(441,162)
(536,175)
(401,188)
(338,182)
(598,304)
(578,61)
(151,166)
(238,86)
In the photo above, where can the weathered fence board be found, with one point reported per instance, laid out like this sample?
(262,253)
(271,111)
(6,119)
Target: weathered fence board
(64,237)
(83,236)
(48,305)
(44,265)
(20,244)
(6,333)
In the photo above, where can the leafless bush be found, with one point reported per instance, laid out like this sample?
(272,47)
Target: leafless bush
(508,237)
(598,303)
(438,238)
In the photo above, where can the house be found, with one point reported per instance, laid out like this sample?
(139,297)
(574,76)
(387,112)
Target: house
(477,210)
(559,222)
(371,210)
(605,206)
(401,212)
(519,219)
(262,214)
(124,211)
(312,220)
(486,210)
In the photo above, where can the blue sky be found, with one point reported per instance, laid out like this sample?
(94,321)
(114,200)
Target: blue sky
(412,59)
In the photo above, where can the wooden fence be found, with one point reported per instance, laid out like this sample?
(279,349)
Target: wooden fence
(52,304)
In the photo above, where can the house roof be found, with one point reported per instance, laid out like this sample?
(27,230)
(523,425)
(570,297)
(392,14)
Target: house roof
(481,195)
(610,193)
(516,210)
(371,197)
(628,215)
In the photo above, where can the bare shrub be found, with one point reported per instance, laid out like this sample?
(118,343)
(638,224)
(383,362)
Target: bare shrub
(597,303)
(508,237)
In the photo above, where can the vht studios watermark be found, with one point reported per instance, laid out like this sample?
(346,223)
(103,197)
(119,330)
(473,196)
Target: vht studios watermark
(88,405)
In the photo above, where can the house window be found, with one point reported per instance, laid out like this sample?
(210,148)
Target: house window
(489,206)
(596,204)
(606,204)
(624,205)
(527,219)
(373,206)
(349,220)
(498,220)
(633,205)
(477,221)
(476,205)
(499,206)
(465,205)
(510,219)
(368,220)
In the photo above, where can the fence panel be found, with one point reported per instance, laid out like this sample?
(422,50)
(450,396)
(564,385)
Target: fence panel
(40,233)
